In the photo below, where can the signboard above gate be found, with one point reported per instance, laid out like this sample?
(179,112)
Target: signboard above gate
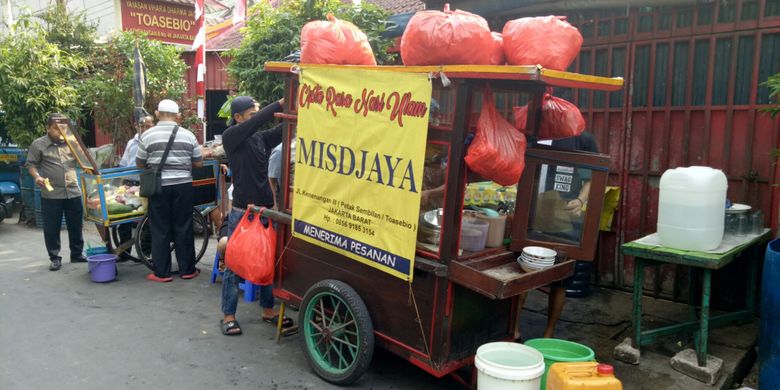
(162,21)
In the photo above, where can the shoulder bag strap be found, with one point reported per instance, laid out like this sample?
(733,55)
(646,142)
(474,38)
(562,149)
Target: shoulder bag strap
(168,148)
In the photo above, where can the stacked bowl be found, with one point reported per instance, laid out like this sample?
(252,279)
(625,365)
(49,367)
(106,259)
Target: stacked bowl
(535,258)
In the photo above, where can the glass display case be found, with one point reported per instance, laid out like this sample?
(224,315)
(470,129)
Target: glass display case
(111,197)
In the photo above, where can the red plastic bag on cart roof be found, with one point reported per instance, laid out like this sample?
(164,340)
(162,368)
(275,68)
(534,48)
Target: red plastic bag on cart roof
(251,249)
(446,38)
(497,53)
(497,152)
(548,41)
(336,42)
(560,118)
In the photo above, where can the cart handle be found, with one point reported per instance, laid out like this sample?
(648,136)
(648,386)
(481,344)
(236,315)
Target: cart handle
(276,216)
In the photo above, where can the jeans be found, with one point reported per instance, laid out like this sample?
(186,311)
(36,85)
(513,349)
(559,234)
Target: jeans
(52,210)
(170,215)
(230,280)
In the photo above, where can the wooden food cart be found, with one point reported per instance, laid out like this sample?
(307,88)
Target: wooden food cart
(458,300)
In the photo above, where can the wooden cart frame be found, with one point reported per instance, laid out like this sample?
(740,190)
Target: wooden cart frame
(456,303)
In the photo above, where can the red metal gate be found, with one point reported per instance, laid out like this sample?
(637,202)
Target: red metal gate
(692,97)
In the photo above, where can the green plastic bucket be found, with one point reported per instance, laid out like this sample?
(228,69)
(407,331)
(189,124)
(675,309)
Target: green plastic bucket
(556,350)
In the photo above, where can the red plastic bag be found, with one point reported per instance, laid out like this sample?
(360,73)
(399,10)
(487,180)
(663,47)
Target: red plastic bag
(497,152)
(547,41)
(336,42)
(497,53)
(446,38)
(251,250)
(560,118)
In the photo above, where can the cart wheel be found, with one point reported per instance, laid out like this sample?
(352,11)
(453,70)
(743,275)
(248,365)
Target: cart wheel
(338,337)
(143,240)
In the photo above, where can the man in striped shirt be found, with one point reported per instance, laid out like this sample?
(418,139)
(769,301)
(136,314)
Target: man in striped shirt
(170,212)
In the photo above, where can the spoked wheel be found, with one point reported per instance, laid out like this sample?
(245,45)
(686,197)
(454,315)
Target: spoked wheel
(338,337)
(117,242)
(143,240)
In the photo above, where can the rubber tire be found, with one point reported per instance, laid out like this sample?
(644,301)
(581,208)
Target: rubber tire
(364,325)
(146,260)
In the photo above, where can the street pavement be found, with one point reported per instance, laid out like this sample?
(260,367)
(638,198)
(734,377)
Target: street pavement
(59,330)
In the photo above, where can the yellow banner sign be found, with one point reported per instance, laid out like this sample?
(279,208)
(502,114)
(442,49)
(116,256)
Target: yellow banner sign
(359,161)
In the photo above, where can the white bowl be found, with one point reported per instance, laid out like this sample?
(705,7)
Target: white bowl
(528,267)
(536,261)
(539,252)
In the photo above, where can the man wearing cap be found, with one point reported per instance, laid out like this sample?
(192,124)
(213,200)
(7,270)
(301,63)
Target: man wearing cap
(248,150)
(170,212)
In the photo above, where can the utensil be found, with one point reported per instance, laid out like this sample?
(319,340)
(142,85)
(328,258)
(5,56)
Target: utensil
(738,208)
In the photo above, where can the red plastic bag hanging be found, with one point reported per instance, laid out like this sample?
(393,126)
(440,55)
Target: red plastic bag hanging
(497,152)
(497,52)
(560,118)
(446,38)
(251,249)
(336,42)
(547,41)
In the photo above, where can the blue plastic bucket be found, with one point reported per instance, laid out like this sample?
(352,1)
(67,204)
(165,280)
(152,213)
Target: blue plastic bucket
(102,268)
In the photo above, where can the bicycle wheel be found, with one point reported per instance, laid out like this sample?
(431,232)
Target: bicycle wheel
(143,241)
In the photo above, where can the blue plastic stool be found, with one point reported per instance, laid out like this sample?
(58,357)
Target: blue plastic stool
(215,272)
(251,290)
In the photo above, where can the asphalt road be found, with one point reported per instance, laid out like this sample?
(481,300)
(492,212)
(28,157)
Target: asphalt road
(59,330)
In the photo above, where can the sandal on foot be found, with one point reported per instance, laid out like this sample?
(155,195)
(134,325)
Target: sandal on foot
(193,275)
(230,328)
(286,322)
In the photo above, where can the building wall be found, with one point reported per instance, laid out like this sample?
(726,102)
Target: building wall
(101,12)
(692,97)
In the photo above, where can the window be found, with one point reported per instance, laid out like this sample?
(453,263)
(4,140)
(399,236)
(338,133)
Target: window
(585,68)
(772,8)
(720,92)
(618,70)
(684,18)
(641,75)
(604,28)
(727,11)
(680,73)
(700,62)
(602,69)
(621,26)
(744,76)
(770,63)
(749,11)
(705,15)
(645,23)
(664,22)
(659,74)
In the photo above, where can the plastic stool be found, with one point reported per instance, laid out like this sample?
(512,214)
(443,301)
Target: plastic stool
(215,272)
(250,290)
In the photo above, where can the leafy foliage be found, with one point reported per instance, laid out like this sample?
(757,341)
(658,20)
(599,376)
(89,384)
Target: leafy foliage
(273,33)
(37,79)
(108,90)
(774,93)
(68,29)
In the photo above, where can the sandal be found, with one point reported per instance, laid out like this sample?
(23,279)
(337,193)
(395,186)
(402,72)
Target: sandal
(229,328)
(286,322)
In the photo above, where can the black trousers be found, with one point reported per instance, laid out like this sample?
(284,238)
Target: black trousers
(170,215)
(53,210)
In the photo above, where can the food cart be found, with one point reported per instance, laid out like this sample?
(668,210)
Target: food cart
(111,198)
(458,299)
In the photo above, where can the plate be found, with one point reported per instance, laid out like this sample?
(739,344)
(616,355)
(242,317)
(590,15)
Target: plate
(738,208)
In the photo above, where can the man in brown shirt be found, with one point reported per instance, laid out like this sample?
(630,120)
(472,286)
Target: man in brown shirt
(53,167)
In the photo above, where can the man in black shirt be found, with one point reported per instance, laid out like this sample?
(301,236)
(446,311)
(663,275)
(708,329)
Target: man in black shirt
(247,151)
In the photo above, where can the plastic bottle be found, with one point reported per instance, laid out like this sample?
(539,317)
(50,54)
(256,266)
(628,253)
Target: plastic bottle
(769,341)
(690,208)
(757,222)
(582,376)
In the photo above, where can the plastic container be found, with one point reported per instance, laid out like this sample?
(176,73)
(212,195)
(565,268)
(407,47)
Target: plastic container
(582,376)
(578,285)
(769,339)
(495,236)
(690,208)
(508,366)
(474,223)
(471,240)
(556,350)
(102,268)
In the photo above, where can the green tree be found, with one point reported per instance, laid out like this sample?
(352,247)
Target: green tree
(108,90)
(36,78)
(773,83)
(273,33)
(68,29)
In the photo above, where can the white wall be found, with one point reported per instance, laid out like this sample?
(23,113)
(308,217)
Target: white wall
(102,12)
